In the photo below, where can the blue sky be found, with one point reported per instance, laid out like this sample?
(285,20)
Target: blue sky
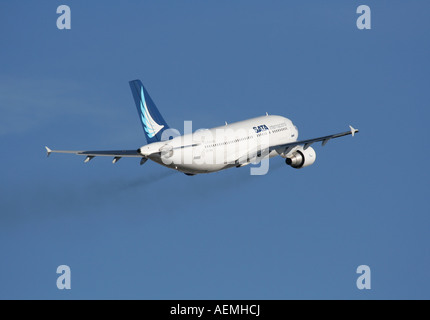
(144,232)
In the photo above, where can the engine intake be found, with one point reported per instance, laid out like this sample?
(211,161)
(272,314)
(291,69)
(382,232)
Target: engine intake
(301,158)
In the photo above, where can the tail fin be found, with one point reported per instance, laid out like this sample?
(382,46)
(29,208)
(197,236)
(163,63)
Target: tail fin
(152,121)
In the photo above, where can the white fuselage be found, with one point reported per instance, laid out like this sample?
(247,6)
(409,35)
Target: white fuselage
(232,145)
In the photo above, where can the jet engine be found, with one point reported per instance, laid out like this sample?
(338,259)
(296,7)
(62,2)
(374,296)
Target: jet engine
(166,151)
(301,158)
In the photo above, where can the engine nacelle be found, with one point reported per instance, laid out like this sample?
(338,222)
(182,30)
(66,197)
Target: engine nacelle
(166,151)
(301,158)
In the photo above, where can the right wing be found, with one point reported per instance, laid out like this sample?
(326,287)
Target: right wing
(309,142)
(256,153)
(117,154)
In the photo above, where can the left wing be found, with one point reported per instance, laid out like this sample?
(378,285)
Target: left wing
(117,154)
(307,143)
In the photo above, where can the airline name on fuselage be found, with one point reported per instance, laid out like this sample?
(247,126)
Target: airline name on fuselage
(260,128)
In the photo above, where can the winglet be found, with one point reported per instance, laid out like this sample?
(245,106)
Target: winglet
(353,130)
(48,151)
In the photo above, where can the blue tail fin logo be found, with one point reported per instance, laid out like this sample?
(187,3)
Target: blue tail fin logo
(149,124)
(152,122)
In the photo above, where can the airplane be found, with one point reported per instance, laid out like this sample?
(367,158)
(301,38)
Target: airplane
(210,150)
